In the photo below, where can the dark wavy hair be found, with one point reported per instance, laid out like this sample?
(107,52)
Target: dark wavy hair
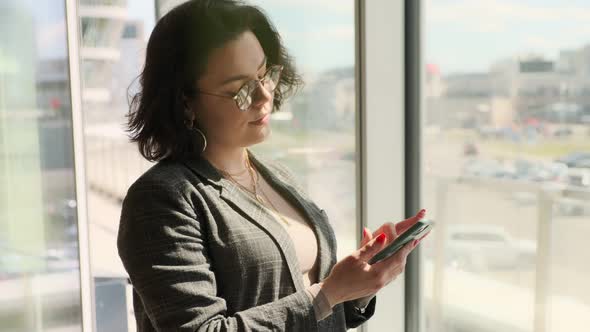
(176,57)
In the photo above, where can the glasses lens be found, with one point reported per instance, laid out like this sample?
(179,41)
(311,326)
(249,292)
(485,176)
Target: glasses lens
(271,79)
(244,96)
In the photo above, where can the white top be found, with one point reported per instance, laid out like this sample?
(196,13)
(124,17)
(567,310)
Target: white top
(305,243)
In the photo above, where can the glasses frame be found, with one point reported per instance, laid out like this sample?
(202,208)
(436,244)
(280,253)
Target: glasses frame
(250,86)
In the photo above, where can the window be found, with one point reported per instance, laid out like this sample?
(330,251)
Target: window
(114,36)
(314,133)
(39,265)
(504,137)
(324,111)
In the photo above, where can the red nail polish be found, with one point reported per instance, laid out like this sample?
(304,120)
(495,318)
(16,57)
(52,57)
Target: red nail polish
(381,238)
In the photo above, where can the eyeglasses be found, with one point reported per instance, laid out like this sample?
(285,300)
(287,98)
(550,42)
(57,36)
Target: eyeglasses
(243,97)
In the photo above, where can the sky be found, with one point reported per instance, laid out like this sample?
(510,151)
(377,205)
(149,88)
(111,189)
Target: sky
(304,31)
(468,35)
(459,35)
(144,11)
(49,18)
(318,33)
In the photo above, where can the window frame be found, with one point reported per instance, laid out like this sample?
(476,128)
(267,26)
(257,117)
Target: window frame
(87,296)
(381,94)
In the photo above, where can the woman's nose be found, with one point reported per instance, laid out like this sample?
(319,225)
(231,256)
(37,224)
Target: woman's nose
(261,95)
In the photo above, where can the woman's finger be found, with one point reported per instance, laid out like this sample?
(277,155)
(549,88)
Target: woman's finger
(389,229)
(372,247)
(402,226)
(421,238)
(367,236)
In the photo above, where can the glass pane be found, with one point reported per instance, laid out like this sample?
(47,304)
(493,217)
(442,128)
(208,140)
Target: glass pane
(114,38)
(506,157)
(314,133)
(39,267)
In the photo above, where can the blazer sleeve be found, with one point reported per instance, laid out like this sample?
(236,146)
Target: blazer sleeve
(162,245)
(354,316)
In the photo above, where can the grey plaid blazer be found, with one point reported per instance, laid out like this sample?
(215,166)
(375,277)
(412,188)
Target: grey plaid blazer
(203,256)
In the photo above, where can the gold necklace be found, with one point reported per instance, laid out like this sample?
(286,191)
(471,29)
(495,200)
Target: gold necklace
(238,173)
(258,198)
(230,176)
(274,208)
(254,191)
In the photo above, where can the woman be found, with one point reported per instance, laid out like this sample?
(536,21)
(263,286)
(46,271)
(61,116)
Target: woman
(213,237)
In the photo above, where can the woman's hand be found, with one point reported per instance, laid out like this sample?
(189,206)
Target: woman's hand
(392,230)
(354,278)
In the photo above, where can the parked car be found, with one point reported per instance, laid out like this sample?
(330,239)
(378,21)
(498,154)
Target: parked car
(479,248)
(572,208)
(540,172)
(579,177)
(584,163)
(562,132)
(486,168)
(573,159)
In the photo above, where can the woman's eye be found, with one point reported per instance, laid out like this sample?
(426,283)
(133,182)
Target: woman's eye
(236,89)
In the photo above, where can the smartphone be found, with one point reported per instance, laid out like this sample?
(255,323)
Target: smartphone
(416,231)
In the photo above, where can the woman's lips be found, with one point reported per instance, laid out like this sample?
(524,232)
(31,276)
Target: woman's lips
(262,121)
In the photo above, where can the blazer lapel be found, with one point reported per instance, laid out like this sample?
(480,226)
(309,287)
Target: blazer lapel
(250,209)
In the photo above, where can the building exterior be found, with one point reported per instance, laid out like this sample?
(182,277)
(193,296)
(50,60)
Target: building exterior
(102,23)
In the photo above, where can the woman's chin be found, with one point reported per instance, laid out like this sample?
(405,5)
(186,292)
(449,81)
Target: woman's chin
(260,135)
(264,133)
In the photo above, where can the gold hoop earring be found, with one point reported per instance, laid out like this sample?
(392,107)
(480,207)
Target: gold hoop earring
(204,139)
(191,127)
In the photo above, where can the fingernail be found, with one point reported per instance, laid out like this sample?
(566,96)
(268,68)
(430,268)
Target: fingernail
(381,238)
(422,212)
(364,233)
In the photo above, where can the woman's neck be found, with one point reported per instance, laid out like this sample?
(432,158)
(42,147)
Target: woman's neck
(230,160)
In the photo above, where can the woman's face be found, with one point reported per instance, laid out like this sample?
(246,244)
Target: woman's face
(228,68)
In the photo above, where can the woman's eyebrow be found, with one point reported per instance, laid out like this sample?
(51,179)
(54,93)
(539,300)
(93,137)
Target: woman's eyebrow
(241,77)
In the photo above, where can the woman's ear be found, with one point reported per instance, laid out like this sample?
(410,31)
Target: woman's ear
(189,114)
